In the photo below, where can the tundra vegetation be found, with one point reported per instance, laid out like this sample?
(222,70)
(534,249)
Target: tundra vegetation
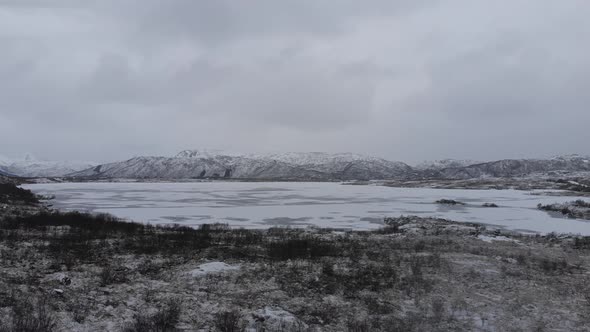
(76,271)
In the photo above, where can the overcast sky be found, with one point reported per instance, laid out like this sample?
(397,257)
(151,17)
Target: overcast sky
(407,80)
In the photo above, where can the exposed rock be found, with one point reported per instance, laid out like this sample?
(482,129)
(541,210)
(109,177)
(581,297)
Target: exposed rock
(449,202)
(66,281)
(576,209)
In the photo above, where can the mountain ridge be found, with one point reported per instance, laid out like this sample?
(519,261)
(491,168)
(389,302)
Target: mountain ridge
(517,167)
(320,166)
(293,166)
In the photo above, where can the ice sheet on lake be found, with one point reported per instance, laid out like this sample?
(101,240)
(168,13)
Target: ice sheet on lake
(263,205)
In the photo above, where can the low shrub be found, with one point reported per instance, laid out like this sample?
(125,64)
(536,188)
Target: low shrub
(29,315)
(97,224)
(306,247)
(581,204)
(112,274)
(164,320)
(355,325)
(11,193)
(549,265)
(229,321)
(582,242)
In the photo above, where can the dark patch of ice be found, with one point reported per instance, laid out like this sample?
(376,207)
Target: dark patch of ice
(285,221)
(373,220)
(236,219)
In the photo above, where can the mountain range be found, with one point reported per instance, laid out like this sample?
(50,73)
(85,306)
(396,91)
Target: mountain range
(309,166)
(29,166)
(321,166)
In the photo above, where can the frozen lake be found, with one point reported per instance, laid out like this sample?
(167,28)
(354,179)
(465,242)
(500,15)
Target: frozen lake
(263,205)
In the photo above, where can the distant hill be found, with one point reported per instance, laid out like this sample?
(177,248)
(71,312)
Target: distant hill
(518,167)
(31,167)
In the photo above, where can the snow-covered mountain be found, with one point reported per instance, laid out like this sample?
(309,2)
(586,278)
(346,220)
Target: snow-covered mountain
(518,167)
(31,167)
(207,153)
(293,166)
(444,163)
(315,158)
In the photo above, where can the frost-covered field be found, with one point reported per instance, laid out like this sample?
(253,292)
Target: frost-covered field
(262,205)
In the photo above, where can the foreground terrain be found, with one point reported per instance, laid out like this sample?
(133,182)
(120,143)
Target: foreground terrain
(61,272)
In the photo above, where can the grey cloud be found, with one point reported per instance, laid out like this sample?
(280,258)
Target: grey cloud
(298,95)
(407,80)
(220,21)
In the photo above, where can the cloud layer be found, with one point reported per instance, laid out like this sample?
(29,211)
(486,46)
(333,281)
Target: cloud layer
(406,80)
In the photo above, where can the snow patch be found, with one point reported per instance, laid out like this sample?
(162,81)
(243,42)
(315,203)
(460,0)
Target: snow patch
(206,153)
(276,314)
(213,267)
(444,163)
(277,319)
(489,239)
(315,158)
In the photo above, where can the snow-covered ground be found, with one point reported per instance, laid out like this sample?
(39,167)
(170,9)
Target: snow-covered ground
(262,205)
(212,267)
